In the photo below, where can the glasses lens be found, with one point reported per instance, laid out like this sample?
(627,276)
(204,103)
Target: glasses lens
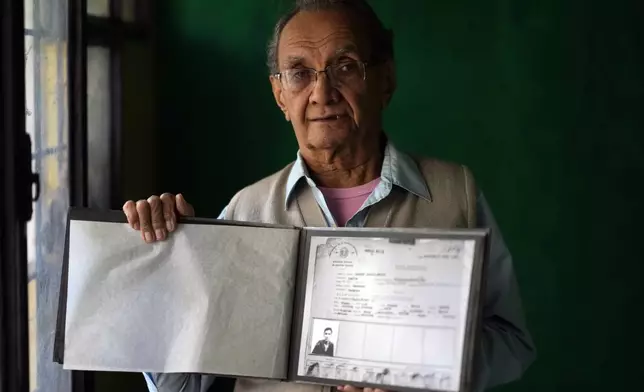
(298,79)
(348,73)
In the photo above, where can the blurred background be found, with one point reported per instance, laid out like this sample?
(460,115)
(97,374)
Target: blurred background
(543,100)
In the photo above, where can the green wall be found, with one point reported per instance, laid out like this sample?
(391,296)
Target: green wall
(543,100)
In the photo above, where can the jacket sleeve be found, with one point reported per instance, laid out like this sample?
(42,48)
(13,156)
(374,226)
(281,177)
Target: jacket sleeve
(222,215)
(506,349)
(178,382)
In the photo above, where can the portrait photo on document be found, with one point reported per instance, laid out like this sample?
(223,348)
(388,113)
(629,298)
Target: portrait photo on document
(323,337)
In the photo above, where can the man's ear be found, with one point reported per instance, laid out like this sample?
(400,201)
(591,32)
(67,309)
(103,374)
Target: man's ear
(278,94)
(389,82)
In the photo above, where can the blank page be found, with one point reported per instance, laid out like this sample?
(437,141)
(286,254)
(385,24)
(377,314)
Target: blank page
(210,299)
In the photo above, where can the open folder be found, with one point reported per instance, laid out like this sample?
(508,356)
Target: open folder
(389,308)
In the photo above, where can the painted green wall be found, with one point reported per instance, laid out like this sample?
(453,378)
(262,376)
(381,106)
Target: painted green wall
(543,100)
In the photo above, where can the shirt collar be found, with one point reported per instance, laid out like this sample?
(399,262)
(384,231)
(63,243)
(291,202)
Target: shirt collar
(398,169)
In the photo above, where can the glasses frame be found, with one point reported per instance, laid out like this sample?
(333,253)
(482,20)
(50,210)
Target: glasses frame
(363,64)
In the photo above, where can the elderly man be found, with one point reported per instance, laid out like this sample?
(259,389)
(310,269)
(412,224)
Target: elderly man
(332,74)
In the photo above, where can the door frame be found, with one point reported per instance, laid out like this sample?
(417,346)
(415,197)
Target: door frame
(15,202)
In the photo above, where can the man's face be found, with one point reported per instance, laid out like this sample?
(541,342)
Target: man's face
(327,335)
(328,115)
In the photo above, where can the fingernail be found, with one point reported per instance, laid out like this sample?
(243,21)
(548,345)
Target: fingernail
(160,234)
(149,237)
(137,226)
(169,225)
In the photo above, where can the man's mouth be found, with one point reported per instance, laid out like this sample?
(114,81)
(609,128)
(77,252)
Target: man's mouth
(329,118)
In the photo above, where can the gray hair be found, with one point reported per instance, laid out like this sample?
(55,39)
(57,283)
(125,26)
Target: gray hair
(382,47)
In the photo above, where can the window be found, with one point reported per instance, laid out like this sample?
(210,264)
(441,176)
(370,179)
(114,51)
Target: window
(107,27)
(98,7)
(99,126)
(47,124)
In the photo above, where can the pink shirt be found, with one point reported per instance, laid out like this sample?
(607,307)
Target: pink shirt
(345,202)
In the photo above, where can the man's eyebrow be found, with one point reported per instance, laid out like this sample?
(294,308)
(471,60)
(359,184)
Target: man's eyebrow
(347,49)
(293,60)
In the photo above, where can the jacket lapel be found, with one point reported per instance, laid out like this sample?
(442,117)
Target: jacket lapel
(381,214)
(310,211)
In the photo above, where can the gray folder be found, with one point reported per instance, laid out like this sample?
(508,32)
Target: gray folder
(213,298)
(230,299)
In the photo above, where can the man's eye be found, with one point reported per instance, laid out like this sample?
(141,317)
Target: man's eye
(299,74)
(346,67)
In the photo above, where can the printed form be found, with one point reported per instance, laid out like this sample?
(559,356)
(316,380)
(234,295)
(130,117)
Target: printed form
(388,312)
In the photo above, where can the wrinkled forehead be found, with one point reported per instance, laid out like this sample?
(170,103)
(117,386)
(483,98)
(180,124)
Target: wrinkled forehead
(317,38)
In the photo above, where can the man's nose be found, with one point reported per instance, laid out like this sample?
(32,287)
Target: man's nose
(323,91)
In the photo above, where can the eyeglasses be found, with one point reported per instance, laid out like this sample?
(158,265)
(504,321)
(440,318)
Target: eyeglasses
(351,73)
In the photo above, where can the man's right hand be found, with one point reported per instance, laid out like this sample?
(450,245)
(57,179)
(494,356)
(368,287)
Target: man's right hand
(157,216)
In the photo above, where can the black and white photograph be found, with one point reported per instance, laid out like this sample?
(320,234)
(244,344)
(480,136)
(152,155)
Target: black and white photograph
(324,337)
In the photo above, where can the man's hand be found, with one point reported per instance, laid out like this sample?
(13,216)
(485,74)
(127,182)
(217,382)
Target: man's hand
(349,388)
(157,216)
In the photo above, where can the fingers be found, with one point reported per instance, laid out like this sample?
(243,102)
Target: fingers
(129,208)
(349,388)
(168,211)
(145,220)
(157,218)
(184,208)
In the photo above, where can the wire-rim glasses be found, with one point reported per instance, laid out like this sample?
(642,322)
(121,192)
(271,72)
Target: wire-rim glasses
(349,73)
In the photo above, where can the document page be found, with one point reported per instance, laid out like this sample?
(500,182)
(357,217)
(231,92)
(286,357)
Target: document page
(210,299)
(386,312)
